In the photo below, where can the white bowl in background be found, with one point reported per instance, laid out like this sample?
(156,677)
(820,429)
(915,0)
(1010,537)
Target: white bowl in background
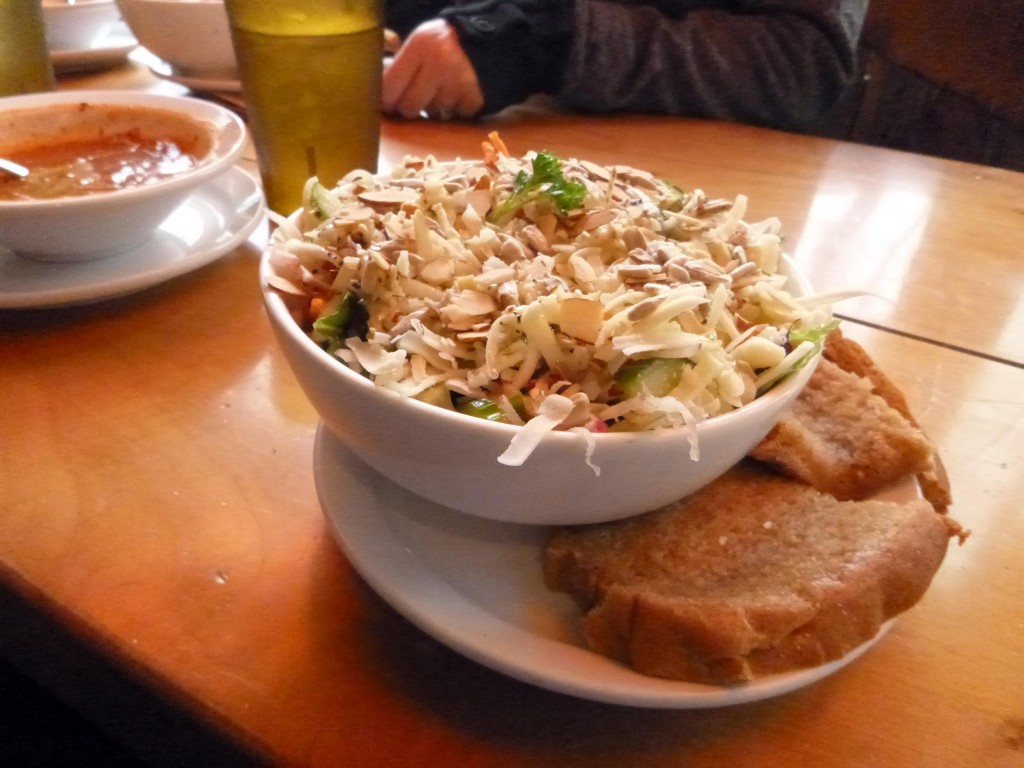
(80,25)
(192,36)
(90,226)
(451,458)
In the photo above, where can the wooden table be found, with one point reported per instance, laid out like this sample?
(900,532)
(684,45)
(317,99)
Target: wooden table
(166,566)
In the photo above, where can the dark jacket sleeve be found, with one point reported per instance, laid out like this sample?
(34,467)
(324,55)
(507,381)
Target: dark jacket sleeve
(774,62)
(517,47)
(403,16)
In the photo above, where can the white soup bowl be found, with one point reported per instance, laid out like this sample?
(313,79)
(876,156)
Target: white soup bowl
(82,227)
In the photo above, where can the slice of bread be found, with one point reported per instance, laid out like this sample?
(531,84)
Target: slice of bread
(852,357)
(843,438)
(754,574)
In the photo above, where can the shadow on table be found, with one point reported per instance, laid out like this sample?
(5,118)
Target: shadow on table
(502,710)
(38,731)
(93,713)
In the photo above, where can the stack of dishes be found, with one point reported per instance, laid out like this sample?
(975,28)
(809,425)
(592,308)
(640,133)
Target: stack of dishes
(186,42)
(86,34)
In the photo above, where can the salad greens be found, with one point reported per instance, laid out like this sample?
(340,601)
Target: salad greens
(815,335)
(321,201)
(333,324)
(482,408)
(656,376)
(548,181)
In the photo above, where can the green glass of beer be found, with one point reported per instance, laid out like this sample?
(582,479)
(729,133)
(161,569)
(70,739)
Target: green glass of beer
(310,73)
(25,65)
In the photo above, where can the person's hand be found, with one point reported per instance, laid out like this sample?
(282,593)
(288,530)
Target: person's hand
(431,75)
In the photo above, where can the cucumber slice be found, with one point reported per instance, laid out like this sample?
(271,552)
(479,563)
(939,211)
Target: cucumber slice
(657,376)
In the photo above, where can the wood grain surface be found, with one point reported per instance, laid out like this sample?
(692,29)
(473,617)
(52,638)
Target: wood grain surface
(159,513)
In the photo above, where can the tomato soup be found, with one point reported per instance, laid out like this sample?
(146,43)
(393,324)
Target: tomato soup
(96,149)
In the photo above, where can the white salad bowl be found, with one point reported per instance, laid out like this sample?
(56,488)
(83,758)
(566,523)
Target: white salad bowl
(452,458)
(82,227)
(192,36)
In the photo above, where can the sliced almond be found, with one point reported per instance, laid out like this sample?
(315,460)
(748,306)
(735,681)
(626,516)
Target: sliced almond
(475,302)
(597,218)
(581,318)
(480,200)
(390,198)
(595,170)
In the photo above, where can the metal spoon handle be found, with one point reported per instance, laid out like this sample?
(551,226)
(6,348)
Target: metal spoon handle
(13,168)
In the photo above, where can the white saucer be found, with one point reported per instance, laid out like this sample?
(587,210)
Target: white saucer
(162,69)
(476,585)
(216,219)
(204,84)
(108,51)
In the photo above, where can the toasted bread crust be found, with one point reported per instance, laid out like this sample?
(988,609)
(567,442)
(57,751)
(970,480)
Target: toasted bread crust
(754,574)
(853,358)
(844,439)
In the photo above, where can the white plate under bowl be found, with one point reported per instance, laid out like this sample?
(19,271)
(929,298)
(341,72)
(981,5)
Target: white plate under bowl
(108,51)
(195,82)
(203,84)
(214,220)
(476,585)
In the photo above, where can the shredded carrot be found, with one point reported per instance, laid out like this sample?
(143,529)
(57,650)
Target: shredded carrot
(494,147)
(316,305)
(498,143)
